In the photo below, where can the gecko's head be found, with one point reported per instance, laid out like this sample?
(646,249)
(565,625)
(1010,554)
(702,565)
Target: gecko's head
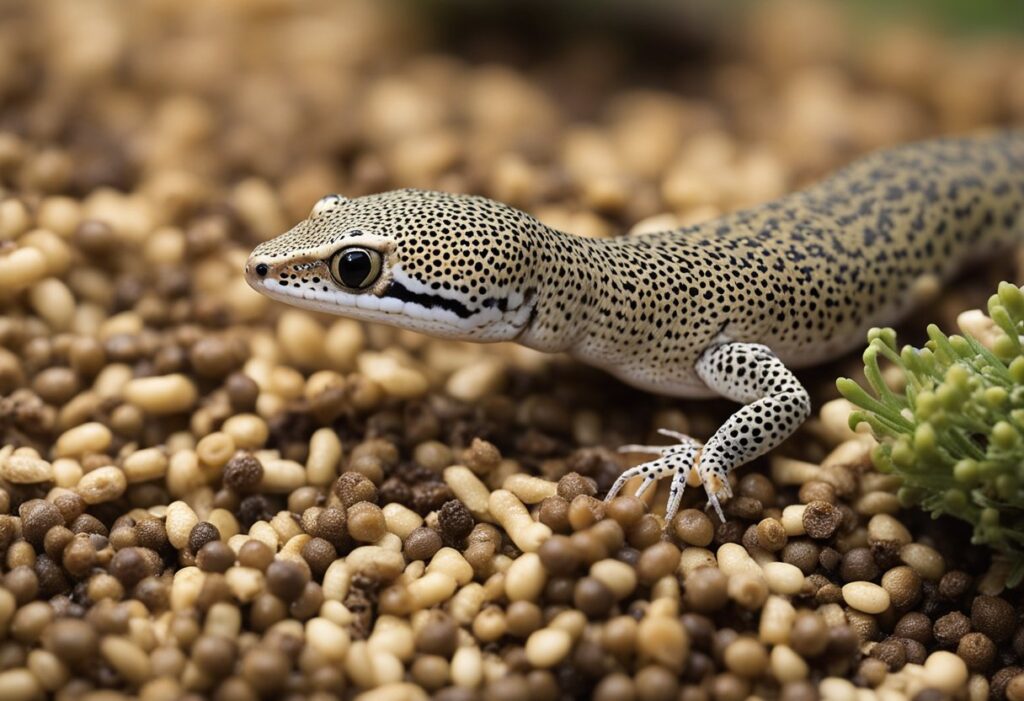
(448,265)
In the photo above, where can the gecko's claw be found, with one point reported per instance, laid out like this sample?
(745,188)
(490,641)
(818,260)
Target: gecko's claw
(676,460)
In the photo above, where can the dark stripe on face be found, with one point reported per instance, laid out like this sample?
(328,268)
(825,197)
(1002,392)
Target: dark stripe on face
(430,301)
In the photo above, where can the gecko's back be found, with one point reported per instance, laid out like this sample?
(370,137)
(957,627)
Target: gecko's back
(807,274)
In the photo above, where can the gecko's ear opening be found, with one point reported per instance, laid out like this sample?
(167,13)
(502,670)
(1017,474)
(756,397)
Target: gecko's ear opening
(326,204)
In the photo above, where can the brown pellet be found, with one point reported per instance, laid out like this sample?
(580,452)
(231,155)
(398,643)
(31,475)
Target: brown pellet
(821,519)
(366,522)
(256,555)
(243,472)
(421,544)
(693,527)
(993,616)
(202,533)
(215,556)
(950,628)
(706,590)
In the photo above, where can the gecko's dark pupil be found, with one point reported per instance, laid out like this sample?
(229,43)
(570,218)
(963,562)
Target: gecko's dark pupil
(354,268)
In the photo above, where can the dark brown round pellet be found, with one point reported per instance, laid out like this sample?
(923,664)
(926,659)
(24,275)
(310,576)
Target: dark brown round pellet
(202,533)
(993,616)
(948,629)
(215,556)
(978,651)
(821,519)
(455,520)
(706,590)
(243,472)
(438,636)
(255,554)
(286,580)
(319,554)
(592,597)
(559,556)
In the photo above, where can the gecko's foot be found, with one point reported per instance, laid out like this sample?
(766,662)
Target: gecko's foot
(677,460)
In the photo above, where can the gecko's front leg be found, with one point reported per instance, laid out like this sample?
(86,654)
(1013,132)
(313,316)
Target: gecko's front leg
(775,405)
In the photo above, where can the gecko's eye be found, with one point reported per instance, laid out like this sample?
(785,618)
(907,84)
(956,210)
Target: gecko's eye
(355,267)
(326,204)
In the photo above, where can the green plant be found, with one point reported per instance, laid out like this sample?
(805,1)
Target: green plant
(955,434)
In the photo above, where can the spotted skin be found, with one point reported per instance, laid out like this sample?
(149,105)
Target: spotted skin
(721,308)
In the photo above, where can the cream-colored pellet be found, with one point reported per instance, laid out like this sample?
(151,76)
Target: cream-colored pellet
(467,669)
(110,383)
(786,665)
(789,471)
(693,558)
(733,559)
(162,395)
(431,589)
(377,562)
(53,302)
(856,451)
(25,469)
(477,380)
(469,490)
(530,489)
(127,658)
(526,533)
(793,519)
(14,218)
(616,575)
(783,578)
(102,485)
(884,527)
(265,533)
(248,431)
(215,449)
(451,562)
(223,619)
(946,671)
(183,473)
(246,583)
(345,339)
(546,647)
(19,684)
(285,526)
(282,476)
(324,456)
(866,597)
(225,521)
(466,603)
(392,690)
(180,521)
(144,465)
(301,338)
(337,579)
(663,641)
(401,520)
(925,560)
(397,380)
(185,588)
(526,578)
(327,638)
(777,618)
(92,437)
(21,268)
(877,503)
(837,689)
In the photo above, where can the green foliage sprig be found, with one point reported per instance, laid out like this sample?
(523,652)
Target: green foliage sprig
(955,435)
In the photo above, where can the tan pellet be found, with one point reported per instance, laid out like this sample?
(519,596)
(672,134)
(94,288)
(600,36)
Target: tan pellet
(431,589)
(469,490)
(664,641)
(783,578)
(66,472)
(301,338)
(877,503)
(790,471)
(467,669)
(734,559)
(945,671)
(246,583)
(546,647)
(185,587)
(14,219)
(530,489)
(144,465)
(506,508)
(282,476)
(467,602)
(49,670)
(786,665)
(179,522)
(793,519)
(401,520)
(162,395)
(884,527)
(327,638)
(451,562)
(777,618)
(127,658)
(925,560)
(92,437)
(526,578)
(102,485)
(837,689)
(397,380)
(336,580)
(693,558)
(21,268)
(53,301)
(616,575)
(248,431)
(215,449)
(25,469)
(324,457)
(477,380)
(19,684)
(866,597)
(344,341)
(183,473)
(223,619)
(377,562)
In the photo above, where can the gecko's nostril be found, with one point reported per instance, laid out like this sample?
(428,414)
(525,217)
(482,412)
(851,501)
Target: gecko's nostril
(262,269)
